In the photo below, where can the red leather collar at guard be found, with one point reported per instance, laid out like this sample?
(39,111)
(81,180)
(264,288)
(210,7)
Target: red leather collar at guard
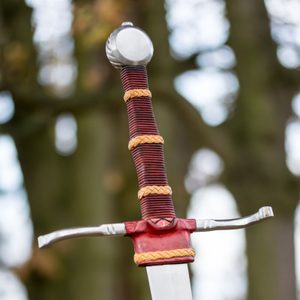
(149,239)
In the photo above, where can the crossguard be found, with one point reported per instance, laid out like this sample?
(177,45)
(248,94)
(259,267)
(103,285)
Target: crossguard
(159,237)
(119,229)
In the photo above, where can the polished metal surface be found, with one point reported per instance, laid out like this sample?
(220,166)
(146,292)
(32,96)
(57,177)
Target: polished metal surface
(169,282)
(129,45)
(117,229)
(264,213)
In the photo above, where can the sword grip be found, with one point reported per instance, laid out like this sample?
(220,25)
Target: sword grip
(148,157)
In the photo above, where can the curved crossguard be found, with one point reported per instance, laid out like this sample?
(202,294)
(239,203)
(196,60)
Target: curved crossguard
(119,229)
(159,237)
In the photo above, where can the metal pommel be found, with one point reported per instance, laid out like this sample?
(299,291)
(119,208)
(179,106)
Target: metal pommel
(129,45)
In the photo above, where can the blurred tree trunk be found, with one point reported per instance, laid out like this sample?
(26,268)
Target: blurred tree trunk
(256,171)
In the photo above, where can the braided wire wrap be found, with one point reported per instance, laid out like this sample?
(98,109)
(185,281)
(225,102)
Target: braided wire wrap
(145,139)
(136,93)
(166,254)
(154,190)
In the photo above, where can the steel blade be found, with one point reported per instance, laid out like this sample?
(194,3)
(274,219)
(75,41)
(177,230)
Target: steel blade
(169,282)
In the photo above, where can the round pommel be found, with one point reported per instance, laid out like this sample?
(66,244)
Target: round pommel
(129,45)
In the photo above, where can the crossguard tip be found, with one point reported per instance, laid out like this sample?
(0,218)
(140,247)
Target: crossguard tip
(266,212)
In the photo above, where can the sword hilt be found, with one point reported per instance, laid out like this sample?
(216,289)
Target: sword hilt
(159,238)
(129,49)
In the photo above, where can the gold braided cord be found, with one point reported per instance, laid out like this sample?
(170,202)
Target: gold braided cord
(145,139)
(136,93)
(156,255)
(154,190)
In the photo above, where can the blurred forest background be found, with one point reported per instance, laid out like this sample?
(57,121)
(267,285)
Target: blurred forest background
(225,83)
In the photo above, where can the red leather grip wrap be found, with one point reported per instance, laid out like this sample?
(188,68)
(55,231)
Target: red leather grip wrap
(148,158)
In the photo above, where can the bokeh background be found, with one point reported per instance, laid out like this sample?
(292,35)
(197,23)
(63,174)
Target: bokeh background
(225,83)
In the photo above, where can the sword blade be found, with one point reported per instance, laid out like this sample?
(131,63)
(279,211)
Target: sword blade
(169,282)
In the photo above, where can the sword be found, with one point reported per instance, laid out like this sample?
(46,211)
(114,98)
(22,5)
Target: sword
(161,240)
